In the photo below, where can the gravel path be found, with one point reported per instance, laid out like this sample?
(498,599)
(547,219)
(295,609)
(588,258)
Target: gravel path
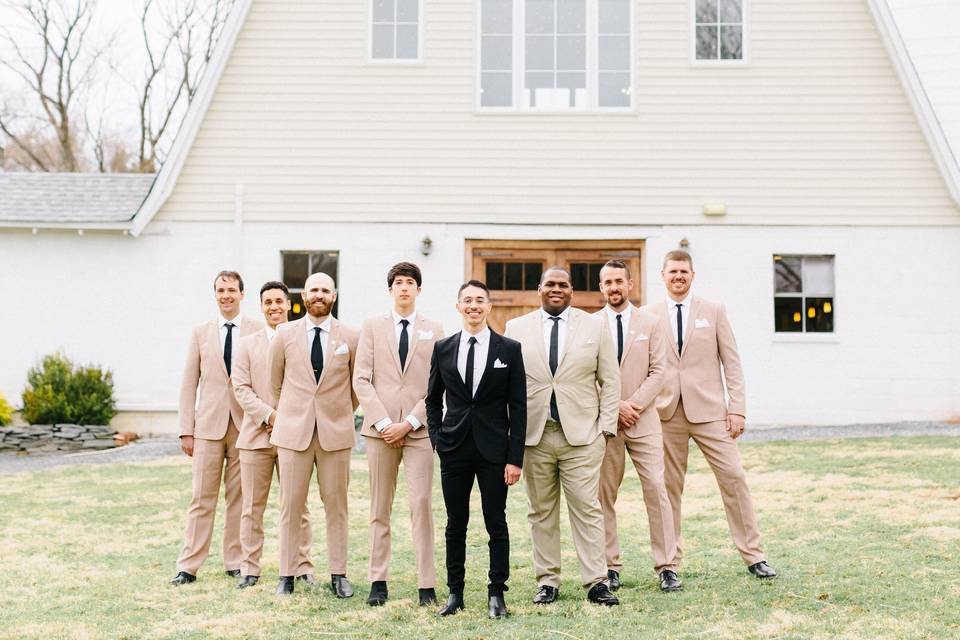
(153,448)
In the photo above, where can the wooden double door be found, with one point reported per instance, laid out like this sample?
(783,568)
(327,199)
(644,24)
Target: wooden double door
(512,269)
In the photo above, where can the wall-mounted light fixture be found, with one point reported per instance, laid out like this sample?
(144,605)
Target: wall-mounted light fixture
(684,244)
(426,245)
(714,209)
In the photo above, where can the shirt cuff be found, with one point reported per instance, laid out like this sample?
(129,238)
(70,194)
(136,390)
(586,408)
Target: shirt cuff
(382,424)
(416,424)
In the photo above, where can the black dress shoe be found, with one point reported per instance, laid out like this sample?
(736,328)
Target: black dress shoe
(341,586)
(247,581)
(454,604)
(600,594)
(285,586)
(613,579)
(546,595)
(427,597)
(307,578)
(669,581)
(497,608)
(762,570)
(183,578)
(233,573)
(378,593)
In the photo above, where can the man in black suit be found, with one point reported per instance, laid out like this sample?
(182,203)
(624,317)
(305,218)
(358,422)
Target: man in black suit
(481,436)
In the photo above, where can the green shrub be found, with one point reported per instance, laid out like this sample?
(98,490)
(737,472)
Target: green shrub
(6,412)
(58,393)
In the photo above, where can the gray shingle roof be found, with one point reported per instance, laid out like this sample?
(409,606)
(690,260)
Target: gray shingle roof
(71,197)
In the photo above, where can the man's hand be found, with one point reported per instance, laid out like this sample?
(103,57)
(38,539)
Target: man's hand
(186,443)
(394,433)
(511,473)
(735,425)
(271,422)
(629,414)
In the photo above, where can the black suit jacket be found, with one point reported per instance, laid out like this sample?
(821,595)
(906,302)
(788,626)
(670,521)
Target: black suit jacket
(496,416)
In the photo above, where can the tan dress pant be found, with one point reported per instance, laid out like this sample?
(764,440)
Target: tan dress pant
(214,461)
(384,464)
(256,476)
(647,455)
(548,466)
(333,478)
(723,456)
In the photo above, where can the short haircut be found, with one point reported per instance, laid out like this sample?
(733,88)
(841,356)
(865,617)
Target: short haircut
(556,267)
(677,255)
(228,275)
(473,283)
(617,264)
(404,269)
(274,284)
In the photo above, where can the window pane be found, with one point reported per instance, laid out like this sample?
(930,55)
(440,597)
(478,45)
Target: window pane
(531,276)
(730,11)
(731,43)
(819,313)
(786,273)
(296,267)
(539,80)
(818,276)
(383,10)
(572,16)
(539,16)
(496,53)
(614,53)
(571,53)
(572,80)
(513,278)
(495,275)
(788,314)
(614,16)
(407,41)
(706,43)
(408,10)
(496,16)
(579,272)
(496,89)
(540,53)
(594,280)
(614,89)
(382,41)
(706,11)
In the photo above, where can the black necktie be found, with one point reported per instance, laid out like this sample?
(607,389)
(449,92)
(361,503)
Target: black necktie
(316,354)
(468,372)
(554,358)
(619,338)
(228,347)
(679,328)
(404,344)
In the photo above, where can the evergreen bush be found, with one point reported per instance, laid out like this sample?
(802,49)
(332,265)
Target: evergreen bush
(60,393)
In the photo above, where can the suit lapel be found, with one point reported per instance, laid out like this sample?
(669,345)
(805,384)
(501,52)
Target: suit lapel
(333,341)
(389,332)
(213,336)
(630,333)
(413,333)
(667,328)
(574,320)
(493,352)
(691,320)
(454,356)
(299,336)
(536,329)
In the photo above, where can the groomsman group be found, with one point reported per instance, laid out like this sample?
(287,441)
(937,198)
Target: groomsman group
(561,399)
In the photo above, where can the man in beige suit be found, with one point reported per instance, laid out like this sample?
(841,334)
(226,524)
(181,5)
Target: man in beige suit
(258,458)
(209,430)
(311,367)
(640,348)
(573,396)
(702,357)
(390,380)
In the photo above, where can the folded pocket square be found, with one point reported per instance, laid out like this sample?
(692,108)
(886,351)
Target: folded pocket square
(701,323)
(641,337)
(342,349)
(499,365)
(425,335)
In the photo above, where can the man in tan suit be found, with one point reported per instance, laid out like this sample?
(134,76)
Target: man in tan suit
(390,380)
(702,357)
(209,430)
(640,348)
(311,366)
(258,458)
(573,396)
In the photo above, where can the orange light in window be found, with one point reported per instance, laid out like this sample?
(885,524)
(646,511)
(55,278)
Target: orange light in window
(812,312)
(296,307)
(796,317)
(827,307)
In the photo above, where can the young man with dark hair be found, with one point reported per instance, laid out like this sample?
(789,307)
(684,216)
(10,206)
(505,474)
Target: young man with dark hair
(390,380)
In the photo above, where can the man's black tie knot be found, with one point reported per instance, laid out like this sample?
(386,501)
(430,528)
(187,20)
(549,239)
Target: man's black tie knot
(228,347)
(404,343)
(316,354)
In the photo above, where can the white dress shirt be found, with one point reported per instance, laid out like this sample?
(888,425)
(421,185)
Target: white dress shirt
(271,333)
(397,328)
(624,321)
(324,335)
(223,334)
(684,314)
(561,332)
(479,356)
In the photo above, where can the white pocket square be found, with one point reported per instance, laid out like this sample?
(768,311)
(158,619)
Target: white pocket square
(642,337)
(701,323)
(589,341)
(342,349)
(499,365)
(425,335)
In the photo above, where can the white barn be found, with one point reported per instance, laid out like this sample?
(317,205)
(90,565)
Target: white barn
(790,146)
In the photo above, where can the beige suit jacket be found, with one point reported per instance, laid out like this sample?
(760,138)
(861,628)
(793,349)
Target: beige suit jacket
(305,405)
(251,384)
(383,389)
(207,401)
(695,375)
(587,382)
(642,368)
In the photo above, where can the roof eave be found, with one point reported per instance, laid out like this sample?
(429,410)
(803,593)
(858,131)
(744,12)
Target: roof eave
(67,225)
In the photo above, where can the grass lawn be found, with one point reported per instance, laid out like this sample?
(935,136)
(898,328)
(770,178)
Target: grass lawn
(864,533)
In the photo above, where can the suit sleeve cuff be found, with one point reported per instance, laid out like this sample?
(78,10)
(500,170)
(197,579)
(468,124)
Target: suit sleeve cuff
(416,424)
(382,424)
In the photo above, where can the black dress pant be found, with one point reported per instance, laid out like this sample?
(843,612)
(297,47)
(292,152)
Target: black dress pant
(458,468)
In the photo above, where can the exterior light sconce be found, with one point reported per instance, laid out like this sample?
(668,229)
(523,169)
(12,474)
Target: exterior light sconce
(684,244)
(426,245)
(714,209)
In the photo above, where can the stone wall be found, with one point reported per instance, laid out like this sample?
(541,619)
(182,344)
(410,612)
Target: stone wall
(57,437)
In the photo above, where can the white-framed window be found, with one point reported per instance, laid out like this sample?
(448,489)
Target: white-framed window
(719,30)
(554,55)
(803,294)
(395,30)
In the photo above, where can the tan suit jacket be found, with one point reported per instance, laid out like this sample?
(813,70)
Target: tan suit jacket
(305,406)
(386,391)
(587,382)
(251,384)
(641,369)
(695,374)
(205,377)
